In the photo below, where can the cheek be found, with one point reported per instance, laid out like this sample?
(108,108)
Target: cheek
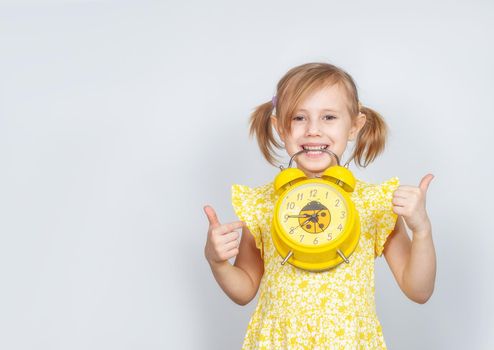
(337,132)
(297,132)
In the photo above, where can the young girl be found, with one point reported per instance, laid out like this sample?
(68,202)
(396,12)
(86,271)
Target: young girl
(317,106)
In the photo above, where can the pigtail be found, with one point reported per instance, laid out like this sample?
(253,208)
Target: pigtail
(261,128)
(371,138)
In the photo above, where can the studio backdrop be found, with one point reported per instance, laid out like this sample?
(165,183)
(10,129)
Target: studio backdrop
(119,120)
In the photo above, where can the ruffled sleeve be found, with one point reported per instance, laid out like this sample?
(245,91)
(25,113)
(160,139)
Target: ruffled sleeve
(384,216)
(244,202)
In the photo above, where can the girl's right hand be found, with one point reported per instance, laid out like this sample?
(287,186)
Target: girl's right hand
(223,241)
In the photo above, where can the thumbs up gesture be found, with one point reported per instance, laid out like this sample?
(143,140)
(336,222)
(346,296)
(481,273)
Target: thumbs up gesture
(409,202)
(223,241)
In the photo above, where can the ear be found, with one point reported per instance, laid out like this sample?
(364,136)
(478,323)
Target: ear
(357,126)
(277,127)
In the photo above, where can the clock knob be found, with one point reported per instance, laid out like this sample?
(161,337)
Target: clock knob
(340,176)
(286,178)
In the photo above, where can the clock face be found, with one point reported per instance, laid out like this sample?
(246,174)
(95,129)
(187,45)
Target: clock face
(313,214)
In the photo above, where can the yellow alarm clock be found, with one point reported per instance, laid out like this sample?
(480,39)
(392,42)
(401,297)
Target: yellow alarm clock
(315,224)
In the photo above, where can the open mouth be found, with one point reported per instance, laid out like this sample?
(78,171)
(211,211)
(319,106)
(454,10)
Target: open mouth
(314,149)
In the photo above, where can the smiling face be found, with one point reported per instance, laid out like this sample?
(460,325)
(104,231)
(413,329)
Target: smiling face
(322,120)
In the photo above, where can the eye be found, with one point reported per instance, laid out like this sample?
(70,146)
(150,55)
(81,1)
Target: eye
(298,118)
(329,117)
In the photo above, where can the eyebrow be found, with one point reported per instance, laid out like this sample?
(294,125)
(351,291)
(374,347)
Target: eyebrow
(321,110)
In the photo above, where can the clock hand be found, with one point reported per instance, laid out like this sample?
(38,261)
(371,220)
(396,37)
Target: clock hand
(292,229)
(310,217)
(315,215)
(303,224)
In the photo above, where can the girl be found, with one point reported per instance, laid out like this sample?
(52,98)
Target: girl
(317,106)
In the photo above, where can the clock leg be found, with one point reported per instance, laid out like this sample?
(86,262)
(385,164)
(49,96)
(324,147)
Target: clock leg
(290,253)
(340,253)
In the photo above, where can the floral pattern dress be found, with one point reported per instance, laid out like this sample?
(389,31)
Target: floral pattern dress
(334,309)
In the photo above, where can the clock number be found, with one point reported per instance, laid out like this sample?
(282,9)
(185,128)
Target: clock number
(315,240)
(313,193)
(327,193)
(330,237)
(292,230)
(286,218)
(343,215)
(340,227)
(337,204)
(290,205)
(300,196)
(301,238)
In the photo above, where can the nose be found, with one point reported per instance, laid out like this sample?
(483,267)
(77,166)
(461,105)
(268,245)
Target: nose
(313,127)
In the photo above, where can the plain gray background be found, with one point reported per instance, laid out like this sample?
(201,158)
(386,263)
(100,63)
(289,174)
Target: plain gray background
(119,120)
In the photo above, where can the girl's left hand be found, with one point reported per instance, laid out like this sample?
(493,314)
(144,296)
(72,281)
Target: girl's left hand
(409,202)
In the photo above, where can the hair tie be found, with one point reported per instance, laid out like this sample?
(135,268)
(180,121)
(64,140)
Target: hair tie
(274,100)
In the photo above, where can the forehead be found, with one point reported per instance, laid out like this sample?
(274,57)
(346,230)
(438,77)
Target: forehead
(330,97)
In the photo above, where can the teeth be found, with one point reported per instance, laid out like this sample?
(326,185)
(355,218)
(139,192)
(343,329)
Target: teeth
(314,148)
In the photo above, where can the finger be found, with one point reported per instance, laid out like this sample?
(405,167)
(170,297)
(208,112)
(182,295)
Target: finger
(227,228)
(399,210)
(231,245)
(231,253)
(398,201)
(232,226)
(424,183)
(407,189)
(227,238)
(230,237)
(211,214)
(401,193)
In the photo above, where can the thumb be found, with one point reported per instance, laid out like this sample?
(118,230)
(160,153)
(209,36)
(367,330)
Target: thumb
(211,214)
(424,183)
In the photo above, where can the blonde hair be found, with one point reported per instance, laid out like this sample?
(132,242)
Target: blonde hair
(298,83)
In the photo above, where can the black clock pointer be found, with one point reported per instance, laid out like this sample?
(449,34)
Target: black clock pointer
(313,216)
(310,217)
(306,221)
(316,215)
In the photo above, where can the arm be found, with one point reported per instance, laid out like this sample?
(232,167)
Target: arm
(413,262)
(241,280)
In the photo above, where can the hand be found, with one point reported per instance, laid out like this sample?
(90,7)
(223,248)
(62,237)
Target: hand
(223,241)
(409,202)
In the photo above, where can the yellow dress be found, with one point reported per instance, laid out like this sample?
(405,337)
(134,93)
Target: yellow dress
(334,309)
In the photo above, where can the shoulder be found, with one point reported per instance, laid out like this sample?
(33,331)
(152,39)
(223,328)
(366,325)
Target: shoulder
(363,186)
(258,191)
(258,198)
(253,205)
(376,193)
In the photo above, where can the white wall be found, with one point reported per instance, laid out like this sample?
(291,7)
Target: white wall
(119,120)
